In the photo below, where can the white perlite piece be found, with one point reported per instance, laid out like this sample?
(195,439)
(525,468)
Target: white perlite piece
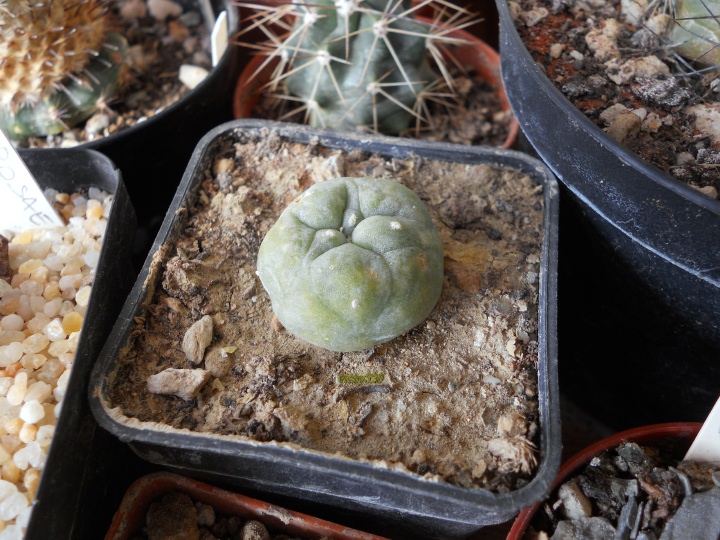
(191,76)
(183,383)
(42,310)
(197,339)
(162,9)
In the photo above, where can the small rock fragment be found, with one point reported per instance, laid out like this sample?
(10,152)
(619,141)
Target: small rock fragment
(648,66)
(191,76)
(197,338)
(623,126)
(603,41)
(218,361)
(131,10)
(710,191)
(698,517)
(594,528)
(707,119)
(254,530)
(665,93)
(575,503)
(183,383)
(162,9)
(97,123)
(172,518)
(556,50)
(205,514)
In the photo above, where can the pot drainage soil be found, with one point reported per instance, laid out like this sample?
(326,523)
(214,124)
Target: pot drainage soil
(454,399)
(663,128)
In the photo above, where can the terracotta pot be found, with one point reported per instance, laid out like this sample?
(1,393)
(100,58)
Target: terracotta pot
(130,517)
(476,56)
(684,432)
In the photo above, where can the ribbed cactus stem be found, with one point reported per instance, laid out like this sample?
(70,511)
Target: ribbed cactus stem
(696,32)
(358,64)
(59,63)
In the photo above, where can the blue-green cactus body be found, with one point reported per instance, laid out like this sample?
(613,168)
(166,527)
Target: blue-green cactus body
(79,99)
(352,68)
(351,263)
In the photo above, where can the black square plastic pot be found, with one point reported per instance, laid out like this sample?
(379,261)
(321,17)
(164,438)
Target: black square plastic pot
(74,481)
(371,498)
(639,265)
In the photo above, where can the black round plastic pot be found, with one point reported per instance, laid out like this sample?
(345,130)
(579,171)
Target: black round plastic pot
(639,264)
(83,462)
(400,505)
(153,155)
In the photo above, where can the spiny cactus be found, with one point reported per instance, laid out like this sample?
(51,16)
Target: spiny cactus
(688,28)
(696,30)
(59,61)
(360,63)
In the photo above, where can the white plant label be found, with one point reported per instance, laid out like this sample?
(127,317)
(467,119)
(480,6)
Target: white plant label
(22,202)
(219,38)
(706,446)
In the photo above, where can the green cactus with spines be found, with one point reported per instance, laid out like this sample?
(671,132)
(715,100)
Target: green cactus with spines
(61,62)
(688,29)
(364,64)
(696,31)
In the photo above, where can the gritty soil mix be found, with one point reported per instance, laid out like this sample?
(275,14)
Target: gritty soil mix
(454,399)
(570,41)
(633,491)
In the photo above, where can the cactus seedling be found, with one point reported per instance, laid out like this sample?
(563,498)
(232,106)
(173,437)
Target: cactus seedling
(360,63)
(352,262)
(59,62)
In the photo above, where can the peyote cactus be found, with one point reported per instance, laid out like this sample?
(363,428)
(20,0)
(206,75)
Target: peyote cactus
(352,262)
(688,28)
(360,63)
(59,62)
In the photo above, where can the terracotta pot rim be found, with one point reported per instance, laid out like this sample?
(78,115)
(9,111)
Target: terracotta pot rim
(638,434)
(150,487)
(487,60)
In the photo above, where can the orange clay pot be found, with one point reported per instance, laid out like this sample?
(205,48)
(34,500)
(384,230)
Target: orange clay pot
(130,517)
(477,56)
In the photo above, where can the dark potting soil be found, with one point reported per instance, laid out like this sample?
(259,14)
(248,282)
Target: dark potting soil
(634,492)
(651,109)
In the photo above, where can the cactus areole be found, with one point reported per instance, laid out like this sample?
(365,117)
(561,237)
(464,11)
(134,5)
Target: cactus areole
(352,262)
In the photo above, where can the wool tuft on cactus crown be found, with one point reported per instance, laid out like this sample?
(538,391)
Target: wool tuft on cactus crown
(59,63)
(359,64)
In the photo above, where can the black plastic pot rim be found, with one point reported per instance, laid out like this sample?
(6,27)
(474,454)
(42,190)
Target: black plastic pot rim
(362,471)
(209,80)
(627,156)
